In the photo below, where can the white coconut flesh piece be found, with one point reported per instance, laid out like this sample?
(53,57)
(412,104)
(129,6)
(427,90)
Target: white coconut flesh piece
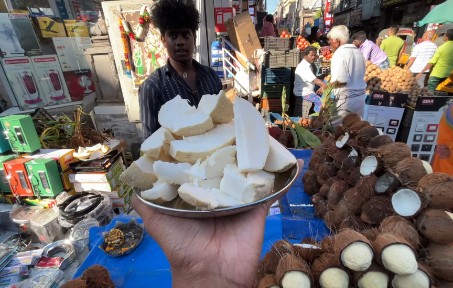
(161,192)
(406,202)
(353,153)
(260,185)
(417,280)
(201,198)
(334,278)
(140,174)
(157,145)
(207,183)
(357,256)
(279,158)
(219,107)
(368,165)
(295,279)
(341,141)
(213,166)
(192,148)
(373,279)
(173,173)
(428,167)
(252,136)
(234,182)
(224,199)
(181,119)
(399,259)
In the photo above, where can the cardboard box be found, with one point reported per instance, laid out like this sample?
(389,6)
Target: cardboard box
(99,177)
(103,187)
(64,157)
(23,81)
(51,27)
(79,84)
(75,28)
(243,35)
(50,79)
(70,52)
(67,185)
(19,38)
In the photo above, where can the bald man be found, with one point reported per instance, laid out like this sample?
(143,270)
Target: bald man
(421,54)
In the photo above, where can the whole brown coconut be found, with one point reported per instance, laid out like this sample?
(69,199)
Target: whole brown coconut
(311,185)
(440,259)
(356,127)
(436,225)
(335,193)
(329,219)
(410,171)
(437,190)
(393,153)
(401,227)
(371,233)
(97,276)
(286,139)
(340,157)
(376,209)
(357,196)
(379,140)
(338,131)
(321,208)
(75,283)
(365,135)
(324,190)
(350,163)
(324,172)
(353,222)
(354,176)
(341,212)
(350,119)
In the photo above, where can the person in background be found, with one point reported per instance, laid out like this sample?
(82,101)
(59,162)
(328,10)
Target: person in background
(443,157)
(305,81)
(442,62)
(371,52)
(392,45)
(177,21)
(420,56)
(347,73)
(268,29)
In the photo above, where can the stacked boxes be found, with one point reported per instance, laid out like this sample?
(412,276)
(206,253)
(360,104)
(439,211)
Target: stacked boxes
(21,133)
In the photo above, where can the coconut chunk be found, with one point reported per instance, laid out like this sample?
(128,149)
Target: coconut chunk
(399,259)
(417,280)
(224,199)
(157,145)
(252,136)
(357,256)
(161,192)
(140,174)
(342,140)
(374,279)
(214,165)
(207,183)
(260,186)
(234,182)
(192,148)
(406,202)
(173,173)
(334,278)
(279,158)
(201,198)
(182,119)
(219,107)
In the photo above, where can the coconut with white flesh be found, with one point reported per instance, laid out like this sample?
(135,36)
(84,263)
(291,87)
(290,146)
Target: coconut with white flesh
(406,202)
(140,174)
(181,119)
(439,258)
(395,254)
(368,165)
(417,280)
(401,227)
(411,170)
(173,173)
(293,272)
(161,192)
(252,136)
(213,166)
(279,158)
(192,148)
(219,107)
(334,278)
(387,183)
(355,250)
(342,140)
(373,279)
(157,145)
(202,198)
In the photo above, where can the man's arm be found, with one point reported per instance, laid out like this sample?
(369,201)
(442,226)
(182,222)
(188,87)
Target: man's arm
(148,115)
(410,62)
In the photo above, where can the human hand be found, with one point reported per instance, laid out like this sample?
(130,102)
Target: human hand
(214,252)
(320,91)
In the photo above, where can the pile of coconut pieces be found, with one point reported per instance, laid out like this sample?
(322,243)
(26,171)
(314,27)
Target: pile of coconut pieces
(360,180)
(218,154)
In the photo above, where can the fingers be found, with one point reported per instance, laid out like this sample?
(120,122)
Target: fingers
(301,167)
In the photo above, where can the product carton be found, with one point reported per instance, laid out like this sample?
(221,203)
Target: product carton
(79,83)
(64,157)
(18,36)
(75,28)
(70,52)
(98,177)
(51,27)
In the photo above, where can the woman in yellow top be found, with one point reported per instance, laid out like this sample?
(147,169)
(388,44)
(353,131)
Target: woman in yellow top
(443,158)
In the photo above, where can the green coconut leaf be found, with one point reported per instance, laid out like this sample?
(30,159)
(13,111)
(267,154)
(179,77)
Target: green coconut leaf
(304,134)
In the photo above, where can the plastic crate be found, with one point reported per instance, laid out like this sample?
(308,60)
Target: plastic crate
(275,91)
(275,43)
(277,76)
(277,59)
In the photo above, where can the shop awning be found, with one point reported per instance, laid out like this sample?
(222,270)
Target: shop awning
(442,13)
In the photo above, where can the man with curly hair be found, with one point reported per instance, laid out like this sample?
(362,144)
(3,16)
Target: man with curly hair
(177,21)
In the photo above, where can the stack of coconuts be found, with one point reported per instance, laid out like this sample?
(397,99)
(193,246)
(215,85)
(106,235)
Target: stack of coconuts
(391,215)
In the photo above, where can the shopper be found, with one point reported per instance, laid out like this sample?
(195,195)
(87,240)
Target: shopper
(392,45)
(421,54)
(209,252)
(177,21)
(347,73)
(442,62)
(305,81)
(443,157)
(371,52)
(268,29)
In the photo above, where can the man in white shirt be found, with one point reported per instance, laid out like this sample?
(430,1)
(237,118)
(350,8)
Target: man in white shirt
(347,73)
(305,81)
(421,54)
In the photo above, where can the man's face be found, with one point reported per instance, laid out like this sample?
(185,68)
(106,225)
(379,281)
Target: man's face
(357,43)
(334,44)
(310,58)
(180,44)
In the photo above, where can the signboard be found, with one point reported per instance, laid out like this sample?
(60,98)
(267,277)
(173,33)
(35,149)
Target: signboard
(221,15)
(328,17)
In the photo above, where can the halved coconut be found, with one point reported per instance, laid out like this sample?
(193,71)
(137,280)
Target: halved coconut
(396,254)
(140,174)
(252,137)
(355,250)
(436,189)
(439,258)
(341,141)
(172,173)
(411,170)
(219,107)
(279,158)
(406,202)
(329,271)
(182,119)
(401,227)
(157,145)
(420,279)
(161,192)
(436,225)
(368,165)
(376,209)
(387,183)
(373,277)
(293,271)
(192,148)
(212,167)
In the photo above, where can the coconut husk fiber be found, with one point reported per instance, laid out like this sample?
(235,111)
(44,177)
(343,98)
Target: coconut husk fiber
(335,193)
(324,172)
(401,227)
(268,281)
(436,225)
(379,140)
(440,259)
(324,190)
(393,153)
(311,185)
(321,208)
(339,157)
(291,262)
(371,233)
(437,189)
(308,250)
(354,176)
(97,276)
(329,219)
(270,261)
(350,163)
(410,171)
(327,244)
(75,283)
(376,209)
(354,129)
(356,197)
(353,222)
(365,135)
(350,119)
